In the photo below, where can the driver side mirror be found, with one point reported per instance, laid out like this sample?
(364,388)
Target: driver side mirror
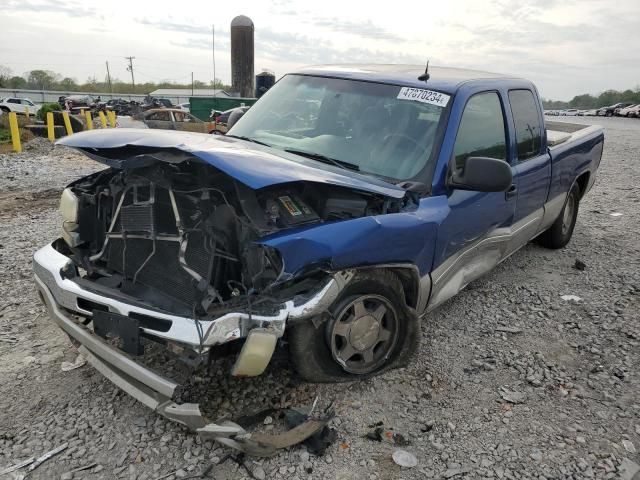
(482,174)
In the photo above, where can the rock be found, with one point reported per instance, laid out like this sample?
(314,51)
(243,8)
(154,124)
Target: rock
(404,458)
(513,397)
(579,265)
(66,476)
(629,446)
(454,472)
(628,469)
(268,420)
(536,455)
(259,473)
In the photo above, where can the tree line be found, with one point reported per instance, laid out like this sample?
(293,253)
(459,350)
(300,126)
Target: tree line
(48,80)
(587,101)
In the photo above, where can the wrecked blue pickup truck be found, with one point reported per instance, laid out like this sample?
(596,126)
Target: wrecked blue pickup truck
(342,207)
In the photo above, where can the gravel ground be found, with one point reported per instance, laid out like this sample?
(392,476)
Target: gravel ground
(569,369)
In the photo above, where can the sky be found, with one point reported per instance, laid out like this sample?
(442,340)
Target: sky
(567,47)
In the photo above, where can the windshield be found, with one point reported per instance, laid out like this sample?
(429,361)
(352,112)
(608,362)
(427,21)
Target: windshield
(358,125)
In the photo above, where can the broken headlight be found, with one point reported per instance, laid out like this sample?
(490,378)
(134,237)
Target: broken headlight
(69,211)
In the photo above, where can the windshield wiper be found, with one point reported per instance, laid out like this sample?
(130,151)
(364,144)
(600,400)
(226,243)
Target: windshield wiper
(249,139)
(324,159)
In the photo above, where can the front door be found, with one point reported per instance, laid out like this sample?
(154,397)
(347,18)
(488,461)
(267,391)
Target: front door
(475,236)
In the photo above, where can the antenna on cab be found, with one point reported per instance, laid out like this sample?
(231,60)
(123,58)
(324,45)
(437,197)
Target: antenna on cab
(425,76)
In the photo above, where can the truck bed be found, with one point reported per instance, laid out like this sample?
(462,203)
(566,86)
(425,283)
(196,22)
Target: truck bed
(562,132)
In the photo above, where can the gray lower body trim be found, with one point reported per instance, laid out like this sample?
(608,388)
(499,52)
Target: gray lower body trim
(467,265)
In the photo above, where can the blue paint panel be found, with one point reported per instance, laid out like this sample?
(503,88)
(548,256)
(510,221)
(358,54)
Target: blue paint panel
(394,238)
(254,165)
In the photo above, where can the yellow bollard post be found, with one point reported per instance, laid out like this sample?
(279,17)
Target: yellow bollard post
(50,130)
(103,119)
(15,132)
(87,115)
(67,123)
(112,118)
(26,111)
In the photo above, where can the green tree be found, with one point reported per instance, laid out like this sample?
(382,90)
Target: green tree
(42,79)
(17,82)
(67,83)
(5,75)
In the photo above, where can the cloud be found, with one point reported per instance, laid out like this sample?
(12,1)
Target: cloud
(179,27)
(70,8)
(365,29)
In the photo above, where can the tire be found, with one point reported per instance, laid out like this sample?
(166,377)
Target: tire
(608,114)
(559,234)
(5,110)
(316,345)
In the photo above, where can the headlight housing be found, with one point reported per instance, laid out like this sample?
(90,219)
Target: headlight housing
(69,210)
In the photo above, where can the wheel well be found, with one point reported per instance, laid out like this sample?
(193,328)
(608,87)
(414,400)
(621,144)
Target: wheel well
(410,285)
(583,181)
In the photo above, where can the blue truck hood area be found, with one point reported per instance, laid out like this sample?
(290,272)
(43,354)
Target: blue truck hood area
(254,165)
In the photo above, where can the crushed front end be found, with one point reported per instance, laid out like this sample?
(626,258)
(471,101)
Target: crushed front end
(165,248)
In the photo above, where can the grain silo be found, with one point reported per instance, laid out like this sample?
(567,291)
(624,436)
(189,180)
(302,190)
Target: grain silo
(242,56)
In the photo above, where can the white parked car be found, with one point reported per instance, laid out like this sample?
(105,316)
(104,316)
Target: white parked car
(624,112)
(634,111)
(185,106)
(572,112)
(18,105)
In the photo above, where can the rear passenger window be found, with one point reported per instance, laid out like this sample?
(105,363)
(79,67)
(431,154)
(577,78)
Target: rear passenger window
(482,129)
(527,123)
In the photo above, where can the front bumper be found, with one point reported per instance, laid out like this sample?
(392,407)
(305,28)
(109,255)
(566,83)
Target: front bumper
(48,265)
(60,295)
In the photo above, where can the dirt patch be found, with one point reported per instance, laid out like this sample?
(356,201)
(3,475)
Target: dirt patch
(24,202)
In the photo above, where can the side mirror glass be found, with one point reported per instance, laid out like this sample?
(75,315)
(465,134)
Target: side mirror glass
(482,174)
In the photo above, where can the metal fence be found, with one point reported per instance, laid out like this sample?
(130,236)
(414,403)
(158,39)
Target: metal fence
(47,96)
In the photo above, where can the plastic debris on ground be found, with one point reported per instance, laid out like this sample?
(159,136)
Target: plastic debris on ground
(77,363)
(404,459)
(571,298)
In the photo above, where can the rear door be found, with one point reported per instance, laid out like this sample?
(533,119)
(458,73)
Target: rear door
(14,105)
(532,165)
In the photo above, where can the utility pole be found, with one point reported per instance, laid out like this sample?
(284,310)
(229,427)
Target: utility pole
(192,84)
(130,69)
(109,78)
(213,53)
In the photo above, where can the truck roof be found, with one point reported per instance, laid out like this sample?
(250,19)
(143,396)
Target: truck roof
(445,79)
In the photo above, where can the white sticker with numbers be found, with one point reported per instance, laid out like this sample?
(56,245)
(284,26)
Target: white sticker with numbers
(424,96)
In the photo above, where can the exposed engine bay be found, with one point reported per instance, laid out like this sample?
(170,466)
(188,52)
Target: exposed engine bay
(181,235)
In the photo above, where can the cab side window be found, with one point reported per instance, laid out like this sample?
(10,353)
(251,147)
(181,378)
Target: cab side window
(527,123)
(482,130)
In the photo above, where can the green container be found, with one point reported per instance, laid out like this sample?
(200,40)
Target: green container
(201,106)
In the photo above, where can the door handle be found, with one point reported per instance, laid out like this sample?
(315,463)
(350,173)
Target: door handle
(512,192)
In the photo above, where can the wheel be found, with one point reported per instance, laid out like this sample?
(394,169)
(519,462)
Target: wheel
(5,110)
(608,114)
(369,330)
(559,234)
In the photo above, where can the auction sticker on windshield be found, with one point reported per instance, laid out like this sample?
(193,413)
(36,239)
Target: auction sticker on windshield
(424,96)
